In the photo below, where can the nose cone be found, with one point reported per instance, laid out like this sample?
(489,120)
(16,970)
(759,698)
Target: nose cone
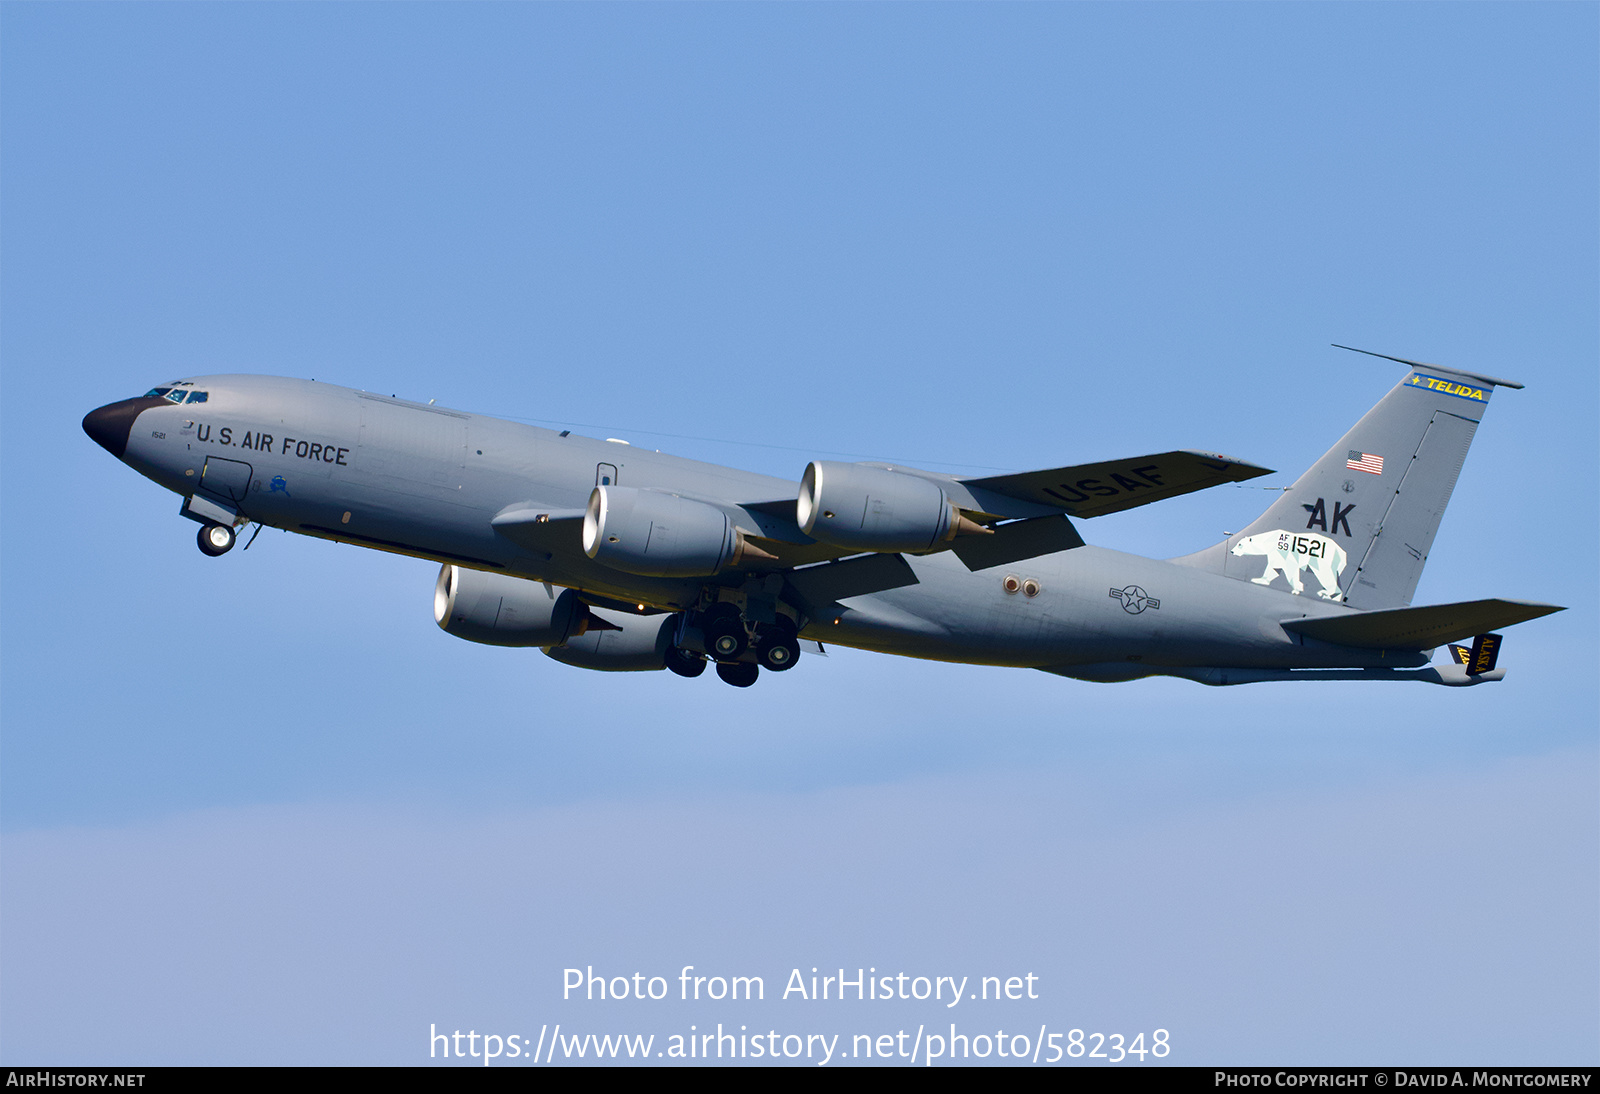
(109,426)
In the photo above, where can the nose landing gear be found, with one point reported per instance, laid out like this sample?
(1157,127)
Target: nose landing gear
(216,539)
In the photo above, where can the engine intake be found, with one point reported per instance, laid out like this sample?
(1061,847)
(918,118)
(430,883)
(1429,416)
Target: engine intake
(874,509)
(655,534)
(500,610)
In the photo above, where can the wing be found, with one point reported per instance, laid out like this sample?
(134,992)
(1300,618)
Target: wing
(1084,490)
(1095,489)
(1033,505)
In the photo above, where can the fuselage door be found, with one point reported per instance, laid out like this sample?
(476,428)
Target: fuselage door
(605,475)
(229,479)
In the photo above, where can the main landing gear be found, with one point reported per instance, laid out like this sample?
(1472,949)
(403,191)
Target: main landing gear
(739,648)
(216,539)
(741,674)
(778,649)
(685,663)
(725,635)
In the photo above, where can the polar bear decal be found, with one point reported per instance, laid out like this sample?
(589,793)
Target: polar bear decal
(1288,553)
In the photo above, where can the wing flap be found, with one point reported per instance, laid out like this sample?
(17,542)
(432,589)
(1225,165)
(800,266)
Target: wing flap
(1016,541)
(1420,628)
(818,586)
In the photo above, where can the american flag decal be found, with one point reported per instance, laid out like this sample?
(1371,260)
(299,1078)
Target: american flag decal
(1365,461)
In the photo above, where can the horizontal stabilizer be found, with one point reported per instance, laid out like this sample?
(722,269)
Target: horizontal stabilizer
(1095,489)
(1449,675)
(1419,628)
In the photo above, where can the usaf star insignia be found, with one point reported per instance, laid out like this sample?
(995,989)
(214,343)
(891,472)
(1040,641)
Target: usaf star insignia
(1134,599)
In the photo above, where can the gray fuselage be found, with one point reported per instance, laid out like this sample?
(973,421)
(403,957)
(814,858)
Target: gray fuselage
(421,480)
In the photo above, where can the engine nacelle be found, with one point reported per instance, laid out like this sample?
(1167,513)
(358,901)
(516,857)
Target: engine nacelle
(655,534)
(631,643)
(872,509)
(500,610)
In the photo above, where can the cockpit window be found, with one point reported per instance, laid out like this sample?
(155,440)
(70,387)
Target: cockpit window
(176,394)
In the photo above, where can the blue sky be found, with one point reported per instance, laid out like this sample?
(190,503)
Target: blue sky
(260,809)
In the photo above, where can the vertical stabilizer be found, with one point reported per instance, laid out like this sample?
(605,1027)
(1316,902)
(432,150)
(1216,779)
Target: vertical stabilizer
(1357,527)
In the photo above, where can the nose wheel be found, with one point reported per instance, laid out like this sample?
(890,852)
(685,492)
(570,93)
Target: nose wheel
(216,539)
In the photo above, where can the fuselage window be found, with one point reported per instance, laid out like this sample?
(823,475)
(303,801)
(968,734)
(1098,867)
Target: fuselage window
(197,396)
